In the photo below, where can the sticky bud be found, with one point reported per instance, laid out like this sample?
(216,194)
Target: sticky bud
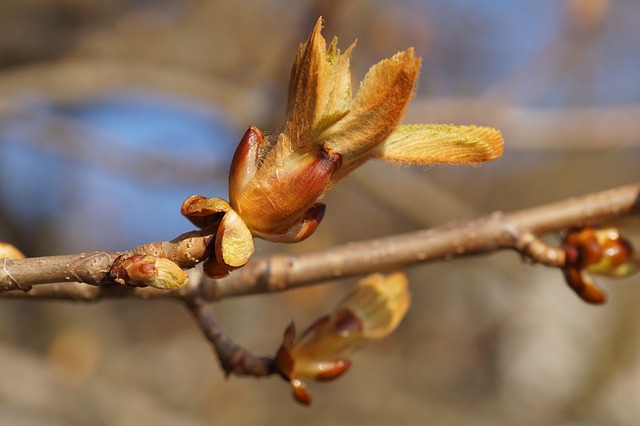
(598,251)
(233,244)
(371,311)
(143,270)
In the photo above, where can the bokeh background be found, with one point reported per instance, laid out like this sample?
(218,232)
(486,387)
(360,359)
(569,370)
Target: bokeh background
(114,111)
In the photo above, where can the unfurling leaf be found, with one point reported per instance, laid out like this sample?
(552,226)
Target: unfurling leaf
(328,133)
(441,143)
(275,184)
(371,311)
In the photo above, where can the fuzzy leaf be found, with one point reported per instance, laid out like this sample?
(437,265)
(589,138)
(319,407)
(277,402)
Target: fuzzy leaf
(377,109)
(303,86)
(380,302)
(441,143)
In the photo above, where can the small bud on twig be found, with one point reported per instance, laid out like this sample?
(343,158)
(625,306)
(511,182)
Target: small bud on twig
(598,251)
(143,270)
(371,311)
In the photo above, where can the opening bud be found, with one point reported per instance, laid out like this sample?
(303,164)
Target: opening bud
(371,311)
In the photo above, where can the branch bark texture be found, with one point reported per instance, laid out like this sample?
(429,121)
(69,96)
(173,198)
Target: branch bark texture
(282,272)
(494,232)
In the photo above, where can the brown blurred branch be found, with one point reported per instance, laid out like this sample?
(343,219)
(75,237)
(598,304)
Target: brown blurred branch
(74,80)
(578,128)
(59,135)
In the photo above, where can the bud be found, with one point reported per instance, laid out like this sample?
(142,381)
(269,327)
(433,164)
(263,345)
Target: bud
(233,240)
(602,251)
(7,251)
(143,270)
(371,311)
(275,185)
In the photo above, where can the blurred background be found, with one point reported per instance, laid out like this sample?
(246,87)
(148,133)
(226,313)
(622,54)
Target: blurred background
(112,112)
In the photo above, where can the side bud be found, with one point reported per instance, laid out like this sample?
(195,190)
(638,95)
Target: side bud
(148,271)
(606,251)
(371,311)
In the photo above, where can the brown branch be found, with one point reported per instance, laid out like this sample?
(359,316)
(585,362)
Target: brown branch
(283,272)
(233,358)
(81,292)
(516,231)
(494,232)
(99,268)
(90,268)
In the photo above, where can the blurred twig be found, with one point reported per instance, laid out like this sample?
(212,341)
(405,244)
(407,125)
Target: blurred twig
(578,128)
(75,80)
(69,139)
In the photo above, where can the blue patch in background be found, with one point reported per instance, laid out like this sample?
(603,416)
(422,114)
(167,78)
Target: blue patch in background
(111,173)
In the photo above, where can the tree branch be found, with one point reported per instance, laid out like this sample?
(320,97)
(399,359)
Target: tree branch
(89,268)
(517,231)
(233,358)
(283,272)
(490,233)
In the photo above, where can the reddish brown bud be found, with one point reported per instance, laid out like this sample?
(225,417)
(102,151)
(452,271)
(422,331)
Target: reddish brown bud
(143,270)
(245,162)
(282,192)
(584,286)
(300,392)
(203,211)
(599,251)
(372,310)
(233,240)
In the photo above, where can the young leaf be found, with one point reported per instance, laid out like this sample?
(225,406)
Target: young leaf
(441,143)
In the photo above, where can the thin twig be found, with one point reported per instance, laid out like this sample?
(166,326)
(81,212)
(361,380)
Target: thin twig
(233,358)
